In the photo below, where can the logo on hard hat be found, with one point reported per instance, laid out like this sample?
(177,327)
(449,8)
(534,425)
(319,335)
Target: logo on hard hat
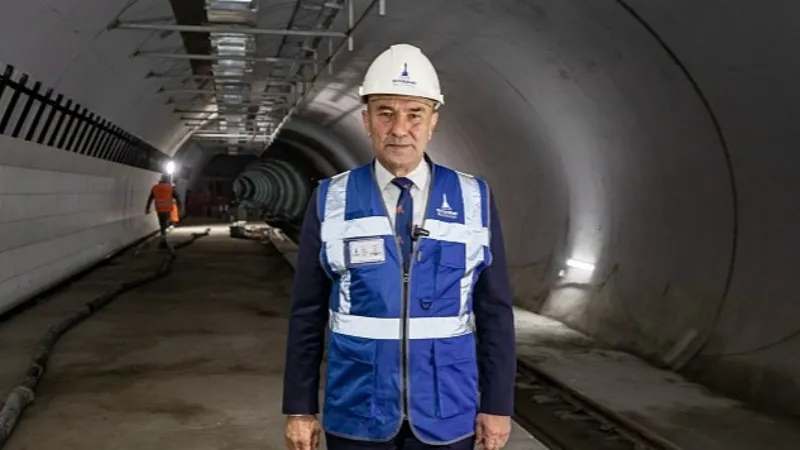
(404,78)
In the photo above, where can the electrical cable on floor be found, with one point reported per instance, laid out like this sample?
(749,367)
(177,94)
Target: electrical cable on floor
(23,395)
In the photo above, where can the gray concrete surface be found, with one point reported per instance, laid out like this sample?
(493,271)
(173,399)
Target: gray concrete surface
(20,333)
(192,361)
(668,405)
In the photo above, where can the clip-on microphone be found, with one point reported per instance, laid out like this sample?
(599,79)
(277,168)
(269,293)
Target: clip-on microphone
(419,231)
(415,234)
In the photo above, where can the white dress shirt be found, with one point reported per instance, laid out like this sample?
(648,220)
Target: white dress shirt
(419,191)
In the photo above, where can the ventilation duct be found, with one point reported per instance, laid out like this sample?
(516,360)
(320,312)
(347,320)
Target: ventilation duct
(274,190)
(232,67)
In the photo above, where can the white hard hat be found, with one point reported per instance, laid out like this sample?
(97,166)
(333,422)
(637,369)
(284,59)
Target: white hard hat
(402,69)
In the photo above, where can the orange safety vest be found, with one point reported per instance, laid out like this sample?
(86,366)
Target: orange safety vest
(162,197)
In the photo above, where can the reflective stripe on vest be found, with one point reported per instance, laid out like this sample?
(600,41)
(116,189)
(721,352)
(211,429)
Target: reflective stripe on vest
(369,331)
(162,197)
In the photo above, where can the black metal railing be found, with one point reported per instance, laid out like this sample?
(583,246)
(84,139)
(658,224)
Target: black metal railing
(51,119)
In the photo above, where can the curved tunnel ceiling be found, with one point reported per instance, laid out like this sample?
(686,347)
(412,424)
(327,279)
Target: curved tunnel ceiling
(654,140)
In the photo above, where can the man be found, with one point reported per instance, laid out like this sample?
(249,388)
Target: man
(163,195)
(401,285)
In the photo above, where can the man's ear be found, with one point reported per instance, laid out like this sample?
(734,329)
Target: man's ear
(365,119)
(434,121)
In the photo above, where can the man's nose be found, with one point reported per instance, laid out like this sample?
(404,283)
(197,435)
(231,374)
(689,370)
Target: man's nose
(400,127)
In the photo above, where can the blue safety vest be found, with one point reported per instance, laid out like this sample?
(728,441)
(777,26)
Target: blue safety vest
(401,346)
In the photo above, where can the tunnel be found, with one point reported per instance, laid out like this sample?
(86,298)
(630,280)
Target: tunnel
(645,195)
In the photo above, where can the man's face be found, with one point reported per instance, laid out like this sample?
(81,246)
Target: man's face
(400,128)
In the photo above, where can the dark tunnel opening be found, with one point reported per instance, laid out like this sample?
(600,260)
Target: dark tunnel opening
(272,186)
(275,188)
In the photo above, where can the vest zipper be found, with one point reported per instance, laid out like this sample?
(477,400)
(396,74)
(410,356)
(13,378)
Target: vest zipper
(404,356)
(405,295)
(407,269)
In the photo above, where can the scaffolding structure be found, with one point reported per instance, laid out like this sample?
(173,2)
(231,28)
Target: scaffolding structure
(242,108)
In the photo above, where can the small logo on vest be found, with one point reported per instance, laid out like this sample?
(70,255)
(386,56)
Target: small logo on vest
(445,210)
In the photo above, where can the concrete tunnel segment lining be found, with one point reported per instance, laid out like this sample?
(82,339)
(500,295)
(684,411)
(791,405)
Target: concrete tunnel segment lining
(597,144)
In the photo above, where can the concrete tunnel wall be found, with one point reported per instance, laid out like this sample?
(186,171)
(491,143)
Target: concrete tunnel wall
(667,165)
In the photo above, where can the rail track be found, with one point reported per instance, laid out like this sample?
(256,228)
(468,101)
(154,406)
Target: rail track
(563,419)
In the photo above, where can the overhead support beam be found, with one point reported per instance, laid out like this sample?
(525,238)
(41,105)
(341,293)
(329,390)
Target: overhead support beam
(257,59)
(240,128)
(188,105)
(254,117)
(156,20)
(238,138)
(199,111)
(258,115)
(224,29)
(249,79)
(350,23)
(333,51)
(228,136)
(212,91)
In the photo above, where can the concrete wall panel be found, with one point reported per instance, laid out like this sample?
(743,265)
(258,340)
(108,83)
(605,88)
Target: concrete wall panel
(61,212)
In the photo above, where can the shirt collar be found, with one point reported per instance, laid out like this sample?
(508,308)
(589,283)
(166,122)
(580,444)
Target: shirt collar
(419,176)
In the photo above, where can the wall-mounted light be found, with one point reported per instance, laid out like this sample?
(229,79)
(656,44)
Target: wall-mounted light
(574,263)
(170,167)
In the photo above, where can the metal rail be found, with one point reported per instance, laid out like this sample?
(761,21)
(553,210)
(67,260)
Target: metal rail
(563,419)
(257,59)
(353,24)
(307,14)
(222,29)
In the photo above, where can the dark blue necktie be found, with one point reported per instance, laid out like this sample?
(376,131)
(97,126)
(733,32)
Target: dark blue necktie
(404,217)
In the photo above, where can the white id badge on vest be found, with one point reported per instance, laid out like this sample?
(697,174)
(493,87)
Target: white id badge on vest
(366,251)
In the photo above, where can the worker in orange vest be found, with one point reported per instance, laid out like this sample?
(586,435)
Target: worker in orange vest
(164,196)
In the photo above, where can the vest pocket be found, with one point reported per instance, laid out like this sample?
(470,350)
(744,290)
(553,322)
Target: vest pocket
(456,373)
(350,385)
(450,267)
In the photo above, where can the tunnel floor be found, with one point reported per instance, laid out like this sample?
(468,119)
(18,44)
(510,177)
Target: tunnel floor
(194,361)
(191,361)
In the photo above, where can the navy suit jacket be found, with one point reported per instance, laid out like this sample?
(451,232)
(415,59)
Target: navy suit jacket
(492,305)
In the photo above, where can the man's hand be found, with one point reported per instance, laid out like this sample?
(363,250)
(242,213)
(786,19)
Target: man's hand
(302,432)
(491,432)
